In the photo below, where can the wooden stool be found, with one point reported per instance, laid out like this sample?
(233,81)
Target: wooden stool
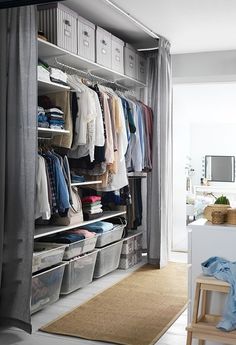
(203,326)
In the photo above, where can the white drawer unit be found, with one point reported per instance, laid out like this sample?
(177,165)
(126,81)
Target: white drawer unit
(86,39)
(117,55)
(141,68)
(103,47)
(59,24)
(130,61)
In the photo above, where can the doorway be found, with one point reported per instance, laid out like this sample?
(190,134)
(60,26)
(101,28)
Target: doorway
(204,123)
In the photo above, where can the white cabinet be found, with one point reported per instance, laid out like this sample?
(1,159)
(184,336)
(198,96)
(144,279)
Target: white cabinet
(206,240)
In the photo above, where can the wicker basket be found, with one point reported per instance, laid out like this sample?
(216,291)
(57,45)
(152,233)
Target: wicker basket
(231,216)
(218,217)
(215,207)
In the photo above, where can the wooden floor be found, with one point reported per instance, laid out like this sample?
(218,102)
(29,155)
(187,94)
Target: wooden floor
(176,335)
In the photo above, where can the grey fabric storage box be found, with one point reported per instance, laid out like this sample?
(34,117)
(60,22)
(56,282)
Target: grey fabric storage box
(103,47)
(117,54)
(79,247)
(110,236)
(86,39)
(141,68)
(59,24)
(46,255)
(46,287)
(127,260)
(132,242)
(108,259)
(131,259)
(78,273)
(130,61)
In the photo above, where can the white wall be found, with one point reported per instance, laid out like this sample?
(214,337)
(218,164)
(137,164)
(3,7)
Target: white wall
(204,123)
(215,66)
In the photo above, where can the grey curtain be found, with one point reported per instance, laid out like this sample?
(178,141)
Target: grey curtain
(18,102)
(159,192)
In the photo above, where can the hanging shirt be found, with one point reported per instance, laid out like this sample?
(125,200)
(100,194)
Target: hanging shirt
(89,130)
(42,208)
(119,180)
(109,144)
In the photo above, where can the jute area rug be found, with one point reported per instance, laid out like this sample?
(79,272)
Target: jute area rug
(135,311)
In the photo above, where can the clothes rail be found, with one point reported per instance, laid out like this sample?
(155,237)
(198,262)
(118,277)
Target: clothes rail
(90,76)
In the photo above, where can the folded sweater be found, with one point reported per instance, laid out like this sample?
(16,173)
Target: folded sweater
(91,198)
(99,227)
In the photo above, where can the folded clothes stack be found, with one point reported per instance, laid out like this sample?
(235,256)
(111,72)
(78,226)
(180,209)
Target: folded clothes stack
(63,237)
(43,72)
(84,232)
(42,118)
(92,207)
(55,118)
(58,76)
(99,227)
(77,178)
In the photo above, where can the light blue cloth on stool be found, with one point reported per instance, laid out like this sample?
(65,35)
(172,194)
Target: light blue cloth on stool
(225,270)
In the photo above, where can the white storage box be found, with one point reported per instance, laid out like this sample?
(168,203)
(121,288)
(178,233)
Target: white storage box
(46,287)
(110,236)
(117,54)
(142,68)
(79,247)
(103,47)
(46,255)
(130,61)
(132,243)
(78,273)
(86,39)
(59,24)
(108,259)
(131,259)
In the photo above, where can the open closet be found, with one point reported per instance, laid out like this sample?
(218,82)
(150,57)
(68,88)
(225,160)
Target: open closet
(93,151)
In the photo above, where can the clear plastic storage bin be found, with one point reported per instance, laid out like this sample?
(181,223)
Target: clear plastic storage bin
(46,287)
(78,272)
(46,255)
(79,247)
(110,236)
(108,259)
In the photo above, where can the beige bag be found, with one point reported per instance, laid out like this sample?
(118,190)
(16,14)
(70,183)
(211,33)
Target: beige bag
(75,213)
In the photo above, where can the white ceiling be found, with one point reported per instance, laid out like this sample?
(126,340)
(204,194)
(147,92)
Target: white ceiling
(190,25)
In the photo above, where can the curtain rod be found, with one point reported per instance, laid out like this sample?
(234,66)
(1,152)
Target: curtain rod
(138,23)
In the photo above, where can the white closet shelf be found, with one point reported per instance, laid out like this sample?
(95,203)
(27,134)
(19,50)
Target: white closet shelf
(46,230)
(48,52)
(137,174)
(86,183)
(52,131)
(48,86)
